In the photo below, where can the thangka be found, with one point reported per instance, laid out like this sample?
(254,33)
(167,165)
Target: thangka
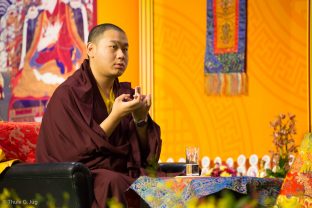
(225,67)
(41,44)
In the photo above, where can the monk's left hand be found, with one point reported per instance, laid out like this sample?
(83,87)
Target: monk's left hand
(145,103)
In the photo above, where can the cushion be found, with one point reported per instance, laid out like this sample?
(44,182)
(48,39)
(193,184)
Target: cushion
(18,140)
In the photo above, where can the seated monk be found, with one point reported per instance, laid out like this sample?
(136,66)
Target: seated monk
(94,119)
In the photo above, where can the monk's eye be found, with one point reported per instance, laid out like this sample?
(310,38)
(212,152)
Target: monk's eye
(113,47)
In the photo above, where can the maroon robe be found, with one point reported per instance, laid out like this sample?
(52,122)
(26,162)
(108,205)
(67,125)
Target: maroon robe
(70,131)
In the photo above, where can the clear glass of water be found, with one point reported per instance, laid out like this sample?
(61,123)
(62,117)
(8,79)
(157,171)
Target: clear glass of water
(192,160)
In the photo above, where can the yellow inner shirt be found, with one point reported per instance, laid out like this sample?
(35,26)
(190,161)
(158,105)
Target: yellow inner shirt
(108,101)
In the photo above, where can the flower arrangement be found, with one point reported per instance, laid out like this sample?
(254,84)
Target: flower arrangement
(220,170)
(284,129)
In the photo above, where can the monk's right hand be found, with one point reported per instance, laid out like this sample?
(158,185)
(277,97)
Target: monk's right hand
(124,105)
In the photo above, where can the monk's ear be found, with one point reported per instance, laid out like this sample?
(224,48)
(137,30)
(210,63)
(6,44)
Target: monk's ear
(91,49)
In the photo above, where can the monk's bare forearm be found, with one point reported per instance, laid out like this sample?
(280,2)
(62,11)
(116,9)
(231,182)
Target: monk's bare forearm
(110,123)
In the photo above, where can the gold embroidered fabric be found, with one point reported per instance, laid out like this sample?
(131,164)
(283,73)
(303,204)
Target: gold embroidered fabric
(296,190)
(3,163)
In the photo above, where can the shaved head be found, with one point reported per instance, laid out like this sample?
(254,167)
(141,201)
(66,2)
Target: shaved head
(98,30)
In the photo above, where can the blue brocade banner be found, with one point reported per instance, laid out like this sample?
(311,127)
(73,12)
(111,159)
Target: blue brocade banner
(225,68)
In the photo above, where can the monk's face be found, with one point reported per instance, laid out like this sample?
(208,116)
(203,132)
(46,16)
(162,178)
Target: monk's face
(109,57)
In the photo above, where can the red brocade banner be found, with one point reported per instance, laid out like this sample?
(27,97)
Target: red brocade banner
(42,43)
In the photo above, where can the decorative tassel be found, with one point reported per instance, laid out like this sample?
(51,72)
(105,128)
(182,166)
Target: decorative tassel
(230,84)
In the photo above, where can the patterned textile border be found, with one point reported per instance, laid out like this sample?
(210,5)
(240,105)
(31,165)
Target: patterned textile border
(178,191)
(225,72)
